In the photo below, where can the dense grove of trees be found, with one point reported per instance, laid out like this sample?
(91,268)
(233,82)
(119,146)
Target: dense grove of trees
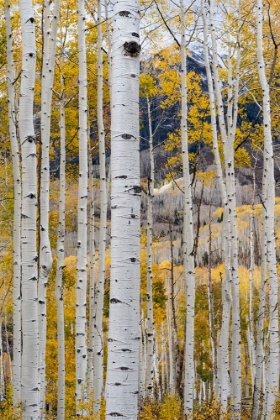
(139,285)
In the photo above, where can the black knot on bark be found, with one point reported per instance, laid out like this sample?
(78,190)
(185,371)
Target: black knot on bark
(132,48)
(124,13)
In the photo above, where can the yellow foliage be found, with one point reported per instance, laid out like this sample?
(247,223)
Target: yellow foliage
(169,409)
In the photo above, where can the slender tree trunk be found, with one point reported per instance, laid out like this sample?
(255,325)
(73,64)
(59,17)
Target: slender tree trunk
(45,254)
(230,240)
(16,381)
(268,199)
(90,361)
(211,303)
(259,336)
(142,362)
(188,239)
(99,293)
(150,315)
(171,376)
(251,324)
(175,342)
(81,288)
(124,334)
(30,385)
(60,269)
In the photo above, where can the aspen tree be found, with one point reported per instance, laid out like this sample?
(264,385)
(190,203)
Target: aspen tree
(222,380)
(60,265)
(124,333)
(171,376)
(30,343)
(188,240)
(227,125)
(81,287)
(251,324)
(260,356)
(16,380)
(150,316)
(90,365)
(268,201)
(99,291)
(45,254)
(142,361)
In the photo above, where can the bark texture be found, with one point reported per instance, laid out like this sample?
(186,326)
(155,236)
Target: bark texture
(124,333)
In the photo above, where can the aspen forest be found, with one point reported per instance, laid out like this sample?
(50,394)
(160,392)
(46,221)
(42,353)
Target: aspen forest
(139,209)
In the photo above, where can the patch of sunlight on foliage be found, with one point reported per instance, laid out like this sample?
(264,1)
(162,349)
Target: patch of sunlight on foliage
(168,409)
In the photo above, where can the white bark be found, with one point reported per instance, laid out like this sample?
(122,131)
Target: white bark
(142,362)
(81,288)
(259,337)
(45,254)
(171,382)
(16,381)
(90,365)
(60,269)
(268,198)
(8,348)
(156,368)
(188,239)
(212,107)
(99,292)
(251,325)
(30,394)
(124,334)
(164,368)
(150,316)
(230,240)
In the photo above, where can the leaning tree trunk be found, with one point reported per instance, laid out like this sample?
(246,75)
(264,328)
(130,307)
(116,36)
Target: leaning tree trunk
(268,200)
(30,341)
(99,292)
(81,288)
(124,333)
(16,380)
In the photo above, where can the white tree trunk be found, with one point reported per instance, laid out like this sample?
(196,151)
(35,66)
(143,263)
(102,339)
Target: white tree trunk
(259,336)
(230,240)
(90,364)
(60,269)
(171,376)
(16,381)
(99,292)
(188,240)
(142,362)
(124,334)
(156,368)
(150,316)
(45,254)
(30,386)
(81,288)
(268,198)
